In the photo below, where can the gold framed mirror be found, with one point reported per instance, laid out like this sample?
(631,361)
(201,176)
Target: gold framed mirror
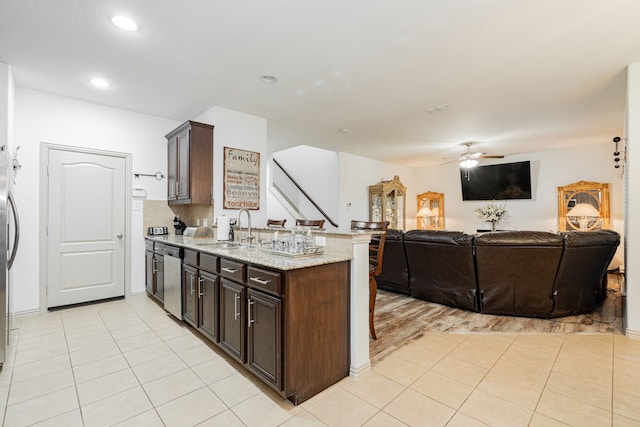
(430,212)
(583,206)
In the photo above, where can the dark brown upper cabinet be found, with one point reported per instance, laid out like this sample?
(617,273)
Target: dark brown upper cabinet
(190,164)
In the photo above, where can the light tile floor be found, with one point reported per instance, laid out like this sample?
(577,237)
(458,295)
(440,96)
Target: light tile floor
(127,363)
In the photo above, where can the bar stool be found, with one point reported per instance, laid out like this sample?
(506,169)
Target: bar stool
(319,223)
(376,253)
(276,222)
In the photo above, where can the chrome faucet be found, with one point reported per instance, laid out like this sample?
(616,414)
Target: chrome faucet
(249,236)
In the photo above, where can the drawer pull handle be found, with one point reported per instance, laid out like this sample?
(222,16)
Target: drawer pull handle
(229,270)
(236,313)
(251,303)
(261,281)
(200,287)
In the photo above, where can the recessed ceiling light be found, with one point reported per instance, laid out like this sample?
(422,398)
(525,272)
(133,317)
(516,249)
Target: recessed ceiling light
(440,108)
(344,130)
(124,23)
(98,82)
(268,79)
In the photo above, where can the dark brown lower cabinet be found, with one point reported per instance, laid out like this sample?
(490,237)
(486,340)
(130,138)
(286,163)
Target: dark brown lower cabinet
(158,291)
(189,300)
(208,309)
(150,272)
(154,271)
(232,319)
(200,294)
(264,337)
(290,328)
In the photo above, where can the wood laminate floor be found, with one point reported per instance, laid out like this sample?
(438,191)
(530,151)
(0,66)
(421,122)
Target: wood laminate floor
(400,319)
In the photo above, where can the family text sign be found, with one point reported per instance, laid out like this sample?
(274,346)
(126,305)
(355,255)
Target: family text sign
(241,179)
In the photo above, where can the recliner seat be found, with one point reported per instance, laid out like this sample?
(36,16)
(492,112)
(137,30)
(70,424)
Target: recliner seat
(516,272)
(579,290)
(441,266)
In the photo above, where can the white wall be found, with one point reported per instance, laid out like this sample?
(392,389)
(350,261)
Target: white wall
(237,130)
(357,174)
(318,173)
(632,228)
(41,117)
(549,170)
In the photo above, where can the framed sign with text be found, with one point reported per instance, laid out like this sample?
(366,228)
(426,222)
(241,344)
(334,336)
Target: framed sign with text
(241,179)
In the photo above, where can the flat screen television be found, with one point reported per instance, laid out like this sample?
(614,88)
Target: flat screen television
(497,182)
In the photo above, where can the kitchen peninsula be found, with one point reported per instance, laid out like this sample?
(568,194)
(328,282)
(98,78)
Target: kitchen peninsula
(284,318)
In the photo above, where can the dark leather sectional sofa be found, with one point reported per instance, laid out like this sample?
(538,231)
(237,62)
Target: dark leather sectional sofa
(518,273)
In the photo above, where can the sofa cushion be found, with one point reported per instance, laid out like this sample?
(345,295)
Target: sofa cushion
(441,267)
(516,271)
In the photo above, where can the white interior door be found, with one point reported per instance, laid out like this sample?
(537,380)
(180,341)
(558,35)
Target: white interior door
(86,212)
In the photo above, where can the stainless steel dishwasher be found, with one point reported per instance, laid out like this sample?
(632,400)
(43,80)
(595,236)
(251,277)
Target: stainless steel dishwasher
(172,280)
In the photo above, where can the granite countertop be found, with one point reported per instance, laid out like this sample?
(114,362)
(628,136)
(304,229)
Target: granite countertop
(251,254)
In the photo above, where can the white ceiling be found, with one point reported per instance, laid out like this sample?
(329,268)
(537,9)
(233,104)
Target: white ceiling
(518,75)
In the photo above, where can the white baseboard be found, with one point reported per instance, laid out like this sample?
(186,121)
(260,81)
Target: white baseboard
(142,292)
(356,371)
(25,313)
(632,334)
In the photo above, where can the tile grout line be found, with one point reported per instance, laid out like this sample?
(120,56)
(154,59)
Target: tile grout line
(75,384)
(155,409)
(457,410)
(544,387)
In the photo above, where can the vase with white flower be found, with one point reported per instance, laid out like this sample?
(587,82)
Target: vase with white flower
(492,212)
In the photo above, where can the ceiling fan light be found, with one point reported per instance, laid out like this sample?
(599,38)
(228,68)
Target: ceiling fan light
(468,163)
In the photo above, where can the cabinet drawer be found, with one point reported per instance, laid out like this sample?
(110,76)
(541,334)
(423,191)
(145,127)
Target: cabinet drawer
(209,262)
(191,257)
(233,270)
(148,245)
(265,280)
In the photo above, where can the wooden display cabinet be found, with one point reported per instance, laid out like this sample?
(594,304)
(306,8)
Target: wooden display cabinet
(387,202)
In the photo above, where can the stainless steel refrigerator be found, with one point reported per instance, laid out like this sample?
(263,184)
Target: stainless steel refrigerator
(9,237)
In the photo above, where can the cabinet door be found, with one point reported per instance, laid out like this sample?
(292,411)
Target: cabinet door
(150,270)
(172,169)
(184,181)
(208,293)
(399,210)
(232,315)
(189,296)
(159,289)
(264,337)
(376,208)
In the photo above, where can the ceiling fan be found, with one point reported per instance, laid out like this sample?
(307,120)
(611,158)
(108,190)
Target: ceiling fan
(470,159)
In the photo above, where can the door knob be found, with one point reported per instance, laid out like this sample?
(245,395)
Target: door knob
(119,235)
